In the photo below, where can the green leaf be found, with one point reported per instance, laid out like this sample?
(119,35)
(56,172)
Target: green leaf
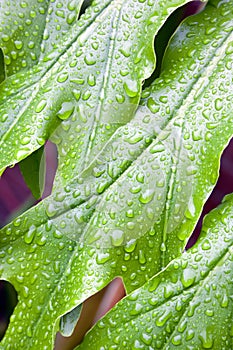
(35,29)
(186,306)
(107,221)
(2,67)
(95,79)
(33,170)
(69,321)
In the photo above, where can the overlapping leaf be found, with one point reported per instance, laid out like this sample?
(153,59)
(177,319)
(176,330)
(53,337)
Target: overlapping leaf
(189,305)
(95,79)
(133,208)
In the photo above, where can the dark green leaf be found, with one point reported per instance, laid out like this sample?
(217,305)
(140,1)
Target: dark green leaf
(2,67)
(33,170)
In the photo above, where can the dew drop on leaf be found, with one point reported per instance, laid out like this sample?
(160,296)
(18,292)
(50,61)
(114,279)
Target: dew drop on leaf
(117,238)
(66,110)
(41,105)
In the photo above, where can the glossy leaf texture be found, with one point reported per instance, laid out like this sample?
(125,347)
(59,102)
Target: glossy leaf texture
(130,209)
(31,29)
(93,75)
(188,305)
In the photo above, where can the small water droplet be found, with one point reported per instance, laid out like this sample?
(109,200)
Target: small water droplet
(66,110)
(188,277)
(218,104)
(91,80)
(146,196)
(62,77)
(206,338)
(25,140)
(18,44)
(120,98)
(41,105)
(30,234)
(131,88)
(102,258)
(22,153)
(89,59)
(117,238)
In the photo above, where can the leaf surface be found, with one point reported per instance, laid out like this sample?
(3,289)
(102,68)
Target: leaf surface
(188,305)
(30,30)
(95,81)
(54,242)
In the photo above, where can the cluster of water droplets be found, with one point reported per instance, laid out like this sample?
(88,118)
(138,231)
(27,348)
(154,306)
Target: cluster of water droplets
(187,305)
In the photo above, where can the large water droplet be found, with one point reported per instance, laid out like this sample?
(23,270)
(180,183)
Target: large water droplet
(131,88)
(147,196)
(206,338)
(41,105)
(117,238)
(29,236)
(66,110)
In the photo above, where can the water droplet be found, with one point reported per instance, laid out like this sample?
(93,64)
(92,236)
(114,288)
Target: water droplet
(66,110)
(130,246)
(120,98)
(142,258)
(131,88)
(206,338)
(62,77)
(29,331)
(25,140)
(146,338)
(86,95)
(89,60)
(140,177)
(29,236)
(77,94)
(56,266)
(41,105)
(117,238)
(188,277)
(18,44)
(22,153)
(91,80)
(146,196)
(50,209)
(163,247)
(206,245)
(176,340)
(190,334)
(225,301)
(71,18)
(72,5)
(218,104)
(41,240)
(102,258)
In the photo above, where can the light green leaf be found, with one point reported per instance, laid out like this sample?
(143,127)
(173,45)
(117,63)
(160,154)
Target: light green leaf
(189,305)
(175,138)
(31,29)
(96,81)
(69,321)
(33,170)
